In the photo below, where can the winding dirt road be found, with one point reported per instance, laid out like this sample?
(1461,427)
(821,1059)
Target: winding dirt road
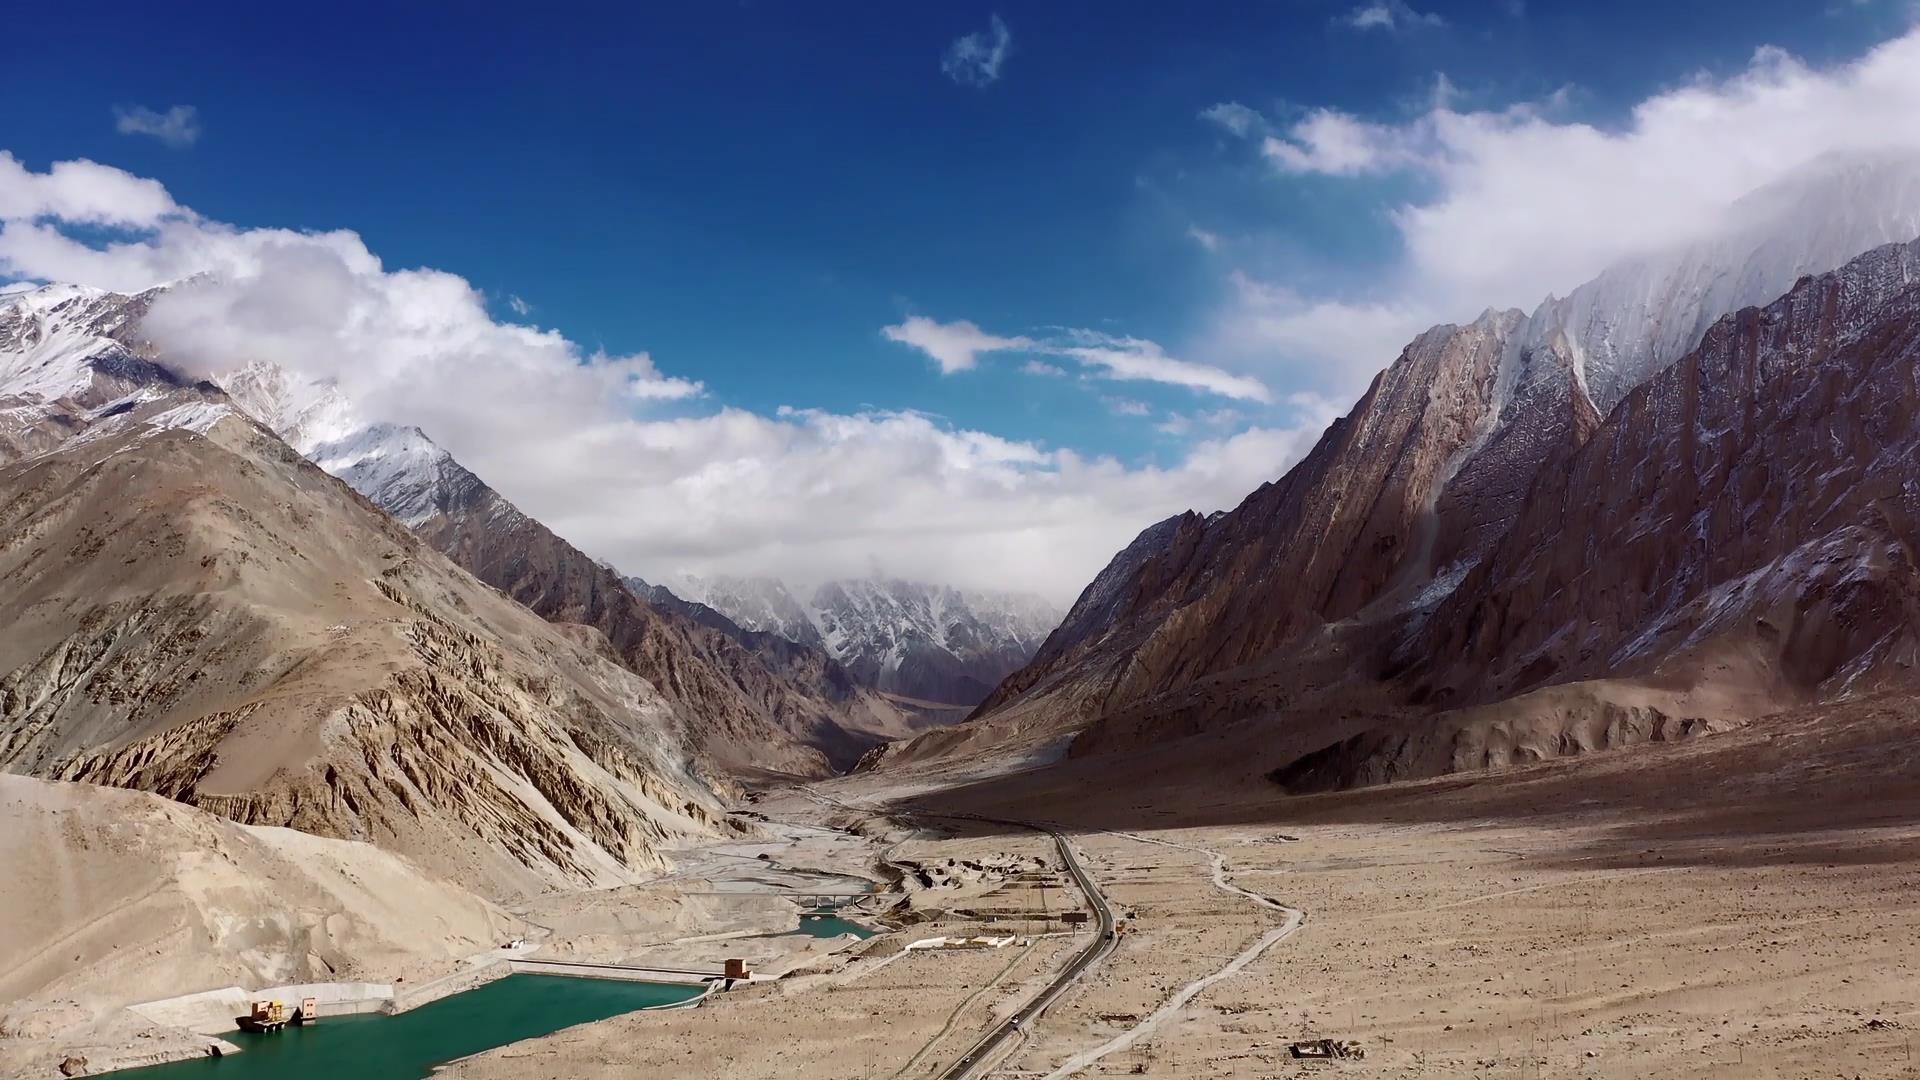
(1294,919)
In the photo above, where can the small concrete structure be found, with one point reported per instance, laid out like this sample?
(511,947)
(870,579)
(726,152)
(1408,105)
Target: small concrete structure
(736,969)
(962,942)
(212,1012)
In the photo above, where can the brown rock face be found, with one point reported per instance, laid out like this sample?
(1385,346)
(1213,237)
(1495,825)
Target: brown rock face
(1758,489)
(1196,597)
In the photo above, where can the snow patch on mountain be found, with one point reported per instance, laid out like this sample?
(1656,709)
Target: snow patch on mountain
(57,340)
(1641,315)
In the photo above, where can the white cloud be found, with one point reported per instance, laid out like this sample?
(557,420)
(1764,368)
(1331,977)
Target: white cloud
(956,346)
(1127,406)
(1136,359)
(1182,424)
(1338,144)
(1518,202)
(519,306)
(81,192)
(1234,117)
(1390,15)
(975,59)
(579,439)
(177,127)
(1041,367)
(1208,240)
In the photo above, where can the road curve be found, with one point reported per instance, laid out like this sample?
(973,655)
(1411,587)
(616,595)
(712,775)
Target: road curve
(1104,942)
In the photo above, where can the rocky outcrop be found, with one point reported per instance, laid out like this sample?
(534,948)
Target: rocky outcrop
(1555,722)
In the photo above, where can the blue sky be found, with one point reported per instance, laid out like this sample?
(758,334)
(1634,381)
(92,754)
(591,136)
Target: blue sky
(750,193)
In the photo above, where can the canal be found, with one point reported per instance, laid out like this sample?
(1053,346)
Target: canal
(407,1046)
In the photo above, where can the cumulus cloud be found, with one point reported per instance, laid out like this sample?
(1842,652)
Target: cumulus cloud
(634,464)
(975,59)
(1390,15)
(177,127)
(956,346)
(1234,118)
(1338,144)
(1518,202)
(82,192)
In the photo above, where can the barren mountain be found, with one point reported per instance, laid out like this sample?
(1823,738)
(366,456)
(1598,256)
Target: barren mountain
(1539,535)
(750,705)
(195,610)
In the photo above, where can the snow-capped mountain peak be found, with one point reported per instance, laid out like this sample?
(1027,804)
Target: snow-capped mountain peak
(915,639)
(68,342)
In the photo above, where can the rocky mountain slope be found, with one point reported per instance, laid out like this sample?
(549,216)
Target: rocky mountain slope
(1539,505)
(859,715)
(195,610)
(921,641)
(749,705)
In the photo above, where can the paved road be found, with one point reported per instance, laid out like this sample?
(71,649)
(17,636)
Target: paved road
(1104,942)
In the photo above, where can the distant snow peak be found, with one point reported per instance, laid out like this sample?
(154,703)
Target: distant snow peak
(912,638)
(305,412)
(55,341)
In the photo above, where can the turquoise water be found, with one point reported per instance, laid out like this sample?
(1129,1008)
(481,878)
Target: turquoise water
(815,924)
(407,1046)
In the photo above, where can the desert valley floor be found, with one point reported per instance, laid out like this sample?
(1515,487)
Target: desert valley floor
(1745,904)
(1617,916)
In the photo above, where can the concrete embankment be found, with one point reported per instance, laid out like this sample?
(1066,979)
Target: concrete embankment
(624,972)
(212,1012)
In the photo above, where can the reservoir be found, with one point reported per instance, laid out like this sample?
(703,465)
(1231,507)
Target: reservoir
(408,1045)
(825,924)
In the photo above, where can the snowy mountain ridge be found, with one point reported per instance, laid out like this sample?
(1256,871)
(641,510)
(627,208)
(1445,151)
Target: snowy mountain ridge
(1638,316)
(916,639)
